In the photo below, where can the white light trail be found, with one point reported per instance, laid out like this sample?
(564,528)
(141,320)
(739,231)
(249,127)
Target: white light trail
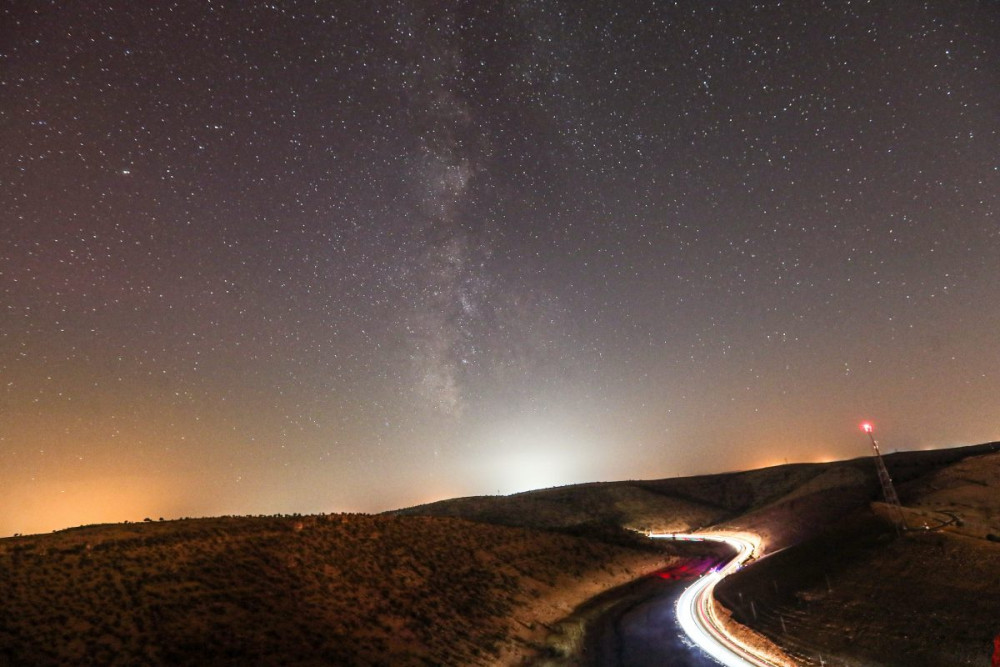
(696,606)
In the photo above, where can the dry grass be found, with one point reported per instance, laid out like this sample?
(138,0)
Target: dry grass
(299,590)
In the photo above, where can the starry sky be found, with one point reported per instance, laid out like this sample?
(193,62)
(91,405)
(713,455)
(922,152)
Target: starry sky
(282,257)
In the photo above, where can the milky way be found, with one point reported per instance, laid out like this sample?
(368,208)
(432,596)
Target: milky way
(293,256)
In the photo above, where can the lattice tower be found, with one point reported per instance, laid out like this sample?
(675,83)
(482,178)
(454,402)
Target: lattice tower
(888,490)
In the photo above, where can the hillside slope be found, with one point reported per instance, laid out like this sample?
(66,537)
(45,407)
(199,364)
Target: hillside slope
(862,595)
(786,504)
(627,504)
(339,589)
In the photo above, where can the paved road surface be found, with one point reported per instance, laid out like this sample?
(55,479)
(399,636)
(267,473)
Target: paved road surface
(641,628)
(696,607)
(642,631)
(670,620)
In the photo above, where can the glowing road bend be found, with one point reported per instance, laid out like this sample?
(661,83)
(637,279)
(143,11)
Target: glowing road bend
(696,609)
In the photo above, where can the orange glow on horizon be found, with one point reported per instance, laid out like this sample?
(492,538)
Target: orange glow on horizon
(50,505)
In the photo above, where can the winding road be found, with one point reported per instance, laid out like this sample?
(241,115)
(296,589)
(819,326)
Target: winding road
(696,607)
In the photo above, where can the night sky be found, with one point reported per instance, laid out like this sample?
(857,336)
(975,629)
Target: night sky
(282,257)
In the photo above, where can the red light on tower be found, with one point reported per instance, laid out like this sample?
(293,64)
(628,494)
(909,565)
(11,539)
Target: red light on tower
(891,499)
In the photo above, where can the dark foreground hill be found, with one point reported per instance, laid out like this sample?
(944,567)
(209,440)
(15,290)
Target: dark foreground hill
(337,590)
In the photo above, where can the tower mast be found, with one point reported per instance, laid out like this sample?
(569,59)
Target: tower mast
(888,490)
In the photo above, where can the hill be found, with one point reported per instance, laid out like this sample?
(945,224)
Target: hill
(785,504)
(338,589)
(840,586)
(862,595)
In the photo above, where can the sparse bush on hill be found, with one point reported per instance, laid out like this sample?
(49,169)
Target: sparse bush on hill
(332,589)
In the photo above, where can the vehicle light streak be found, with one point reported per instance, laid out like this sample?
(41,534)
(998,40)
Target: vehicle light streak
(696,606)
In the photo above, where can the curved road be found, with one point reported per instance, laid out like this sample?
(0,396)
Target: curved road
(637,626)
(696,610)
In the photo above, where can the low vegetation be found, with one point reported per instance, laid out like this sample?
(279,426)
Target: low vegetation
(338,589)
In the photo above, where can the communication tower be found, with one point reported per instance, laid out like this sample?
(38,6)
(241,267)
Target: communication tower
(891,499)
